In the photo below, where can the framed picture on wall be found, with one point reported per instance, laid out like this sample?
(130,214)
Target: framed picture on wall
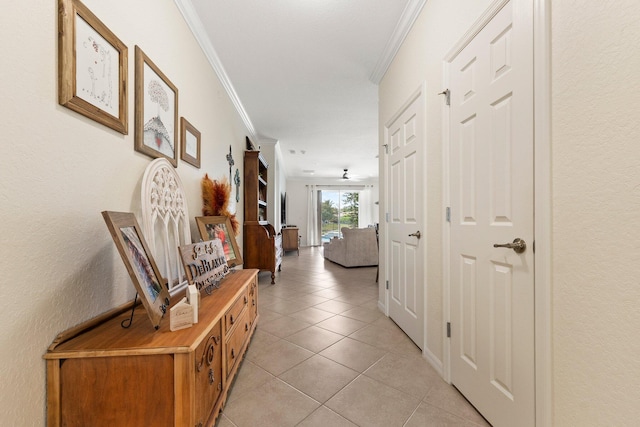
(92,67)
(219,227)
(190,147)
(141,266)
(156,133)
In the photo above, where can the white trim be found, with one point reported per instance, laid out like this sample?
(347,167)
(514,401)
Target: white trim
(408,17)
(199,32)
(446,229)
(543,210)
(477,26)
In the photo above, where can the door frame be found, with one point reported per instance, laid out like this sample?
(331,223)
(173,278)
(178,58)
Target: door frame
(541,17)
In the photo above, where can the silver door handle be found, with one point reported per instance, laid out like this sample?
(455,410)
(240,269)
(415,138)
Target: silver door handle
(416,234)
(518,245)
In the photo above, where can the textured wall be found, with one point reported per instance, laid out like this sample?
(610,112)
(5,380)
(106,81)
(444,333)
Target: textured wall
(596,205)
(59,170)
(439,27)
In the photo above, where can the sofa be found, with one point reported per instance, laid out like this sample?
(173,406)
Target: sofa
(358,247)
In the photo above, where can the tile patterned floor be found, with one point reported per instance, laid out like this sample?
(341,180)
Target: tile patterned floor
(325,355)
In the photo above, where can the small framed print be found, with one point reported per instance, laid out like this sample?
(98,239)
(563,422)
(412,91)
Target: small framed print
(190,147)
(140,264)
(157,131)
(219,227)
(92,67)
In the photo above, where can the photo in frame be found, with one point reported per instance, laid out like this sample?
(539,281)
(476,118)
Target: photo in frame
(156,127)
(92,67)
(219,227)
(141,266)
(190,143)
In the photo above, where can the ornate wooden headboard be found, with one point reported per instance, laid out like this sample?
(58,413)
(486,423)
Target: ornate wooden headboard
(165,220)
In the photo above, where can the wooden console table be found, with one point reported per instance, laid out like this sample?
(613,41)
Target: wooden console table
(100,374)
(290,239)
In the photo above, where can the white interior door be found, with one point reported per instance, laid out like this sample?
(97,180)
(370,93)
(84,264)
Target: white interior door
(491,174)
(405,172)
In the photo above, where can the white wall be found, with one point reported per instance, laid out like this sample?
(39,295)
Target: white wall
(270,150)
(440,25)
(59,170)
(596,219)
(595,201)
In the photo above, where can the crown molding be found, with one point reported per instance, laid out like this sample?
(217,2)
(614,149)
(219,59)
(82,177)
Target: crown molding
(408,17)
(195,25)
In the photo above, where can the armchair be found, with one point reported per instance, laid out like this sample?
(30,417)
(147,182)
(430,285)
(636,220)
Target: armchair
(357,248)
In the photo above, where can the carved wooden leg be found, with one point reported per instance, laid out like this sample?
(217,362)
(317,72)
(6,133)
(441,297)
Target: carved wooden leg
(273,277)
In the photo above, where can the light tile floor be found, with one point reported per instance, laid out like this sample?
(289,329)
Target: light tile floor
(325,355)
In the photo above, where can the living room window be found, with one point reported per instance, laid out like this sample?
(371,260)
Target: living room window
(339,208)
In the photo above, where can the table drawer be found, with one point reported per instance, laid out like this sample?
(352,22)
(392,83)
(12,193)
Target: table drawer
(233,314)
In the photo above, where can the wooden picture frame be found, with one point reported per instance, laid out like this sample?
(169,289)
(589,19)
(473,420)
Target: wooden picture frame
(190,143)
(151,287)
(212,227)
(157,132)
(92,67)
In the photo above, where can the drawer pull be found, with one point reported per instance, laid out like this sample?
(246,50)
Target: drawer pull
(245,300)
(211,377)
(231,320)
(233,354)
(254,302)
(246,327)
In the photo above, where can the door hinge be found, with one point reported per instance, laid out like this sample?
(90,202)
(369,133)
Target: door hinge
(448,329)
(448,213)
(387,285)
(447,96)
(387,216)
(386,148)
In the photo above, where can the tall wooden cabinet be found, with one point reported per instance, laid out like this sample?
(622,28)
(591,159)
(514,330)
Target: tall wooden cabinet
(99,374)
(262,245)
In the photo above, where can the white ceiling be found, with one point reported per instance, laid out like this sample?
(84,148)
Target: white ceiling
(305,73)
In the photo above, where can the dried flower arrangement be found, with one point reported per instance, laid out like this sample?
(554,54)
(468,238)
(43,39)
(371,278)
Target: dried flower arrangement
(215,200)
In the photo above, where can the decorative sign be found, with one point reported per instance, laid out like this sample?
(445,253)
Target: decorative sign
(205,264)
(181,315)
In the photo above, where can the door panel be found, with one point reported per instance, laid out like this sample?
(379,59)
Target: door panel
(491,169)
(405,139)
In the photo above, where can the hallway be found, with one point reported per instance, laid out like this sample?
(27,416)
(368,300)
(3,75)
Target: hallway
(324,355)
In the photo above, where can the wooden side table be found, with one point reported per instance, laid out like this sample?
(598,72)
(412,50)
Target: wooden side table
(290,240)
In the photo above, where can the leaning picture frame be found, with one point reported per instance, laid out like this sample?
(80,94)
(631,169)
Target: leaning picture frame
(189,143)
(156,115)
(92,67)
(219,227)
(137,258)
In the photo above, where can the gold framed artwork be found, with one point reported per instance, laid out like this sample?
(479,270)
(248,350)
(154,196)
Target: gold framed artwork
(219,227)
(140,264)
(156,133)
(92,67)
(190,143)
